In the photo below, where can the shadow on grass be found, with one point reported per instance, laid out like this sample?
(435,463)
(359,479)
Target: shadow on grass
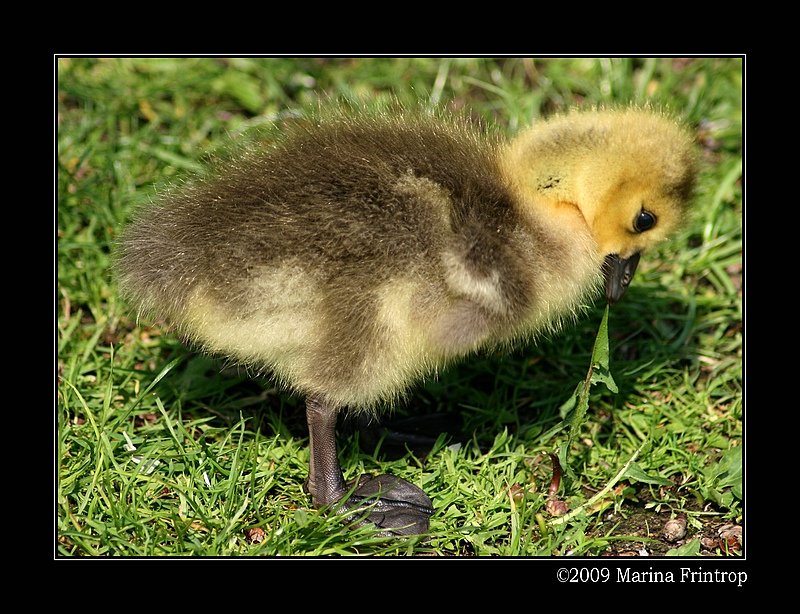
(520,391)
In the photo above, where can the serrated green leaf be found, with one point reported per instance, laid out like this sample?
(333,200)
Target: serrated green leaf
(570,404)
(562,459)
(600,353)
(598,372)
(599,361)
(601,375)
(601,372)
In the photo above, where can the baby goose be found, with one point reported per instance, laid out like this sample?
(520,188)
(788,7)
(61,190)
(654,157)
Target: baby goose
(362,253)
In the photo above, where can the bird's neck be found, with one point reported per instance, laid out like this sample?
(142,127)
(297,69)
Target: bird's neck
(547,185)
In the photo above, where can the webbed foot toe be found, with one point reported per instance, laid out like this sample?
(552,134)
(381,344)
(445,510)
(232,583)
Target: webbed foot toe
(390,503)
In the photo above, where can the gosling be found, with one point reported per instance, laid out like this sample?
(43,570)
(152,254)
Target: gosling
(363,252)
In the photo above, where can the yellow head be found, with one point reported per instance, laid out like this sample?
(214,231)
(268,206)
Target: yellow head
(625,175)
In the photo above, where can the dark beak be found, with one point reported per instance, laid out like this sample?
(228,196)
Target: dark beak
(618,273)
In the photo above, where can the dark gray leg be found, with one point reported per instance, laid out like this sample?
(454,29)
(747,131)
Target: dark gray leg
(325,481)
(386,501)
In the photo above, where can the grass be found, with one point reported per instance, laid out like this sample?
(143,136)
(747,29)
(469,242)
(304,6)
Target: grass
(161,451)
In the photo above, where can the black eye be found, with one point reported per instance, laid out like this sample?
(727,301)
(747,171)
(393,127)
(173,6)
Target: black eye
(644,221)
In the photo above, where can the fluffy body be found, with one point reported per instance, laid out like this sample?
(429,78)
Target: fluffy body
(357,255)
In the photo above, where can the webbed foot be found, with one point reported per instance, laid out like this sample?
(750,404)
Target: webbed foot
(390,503)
